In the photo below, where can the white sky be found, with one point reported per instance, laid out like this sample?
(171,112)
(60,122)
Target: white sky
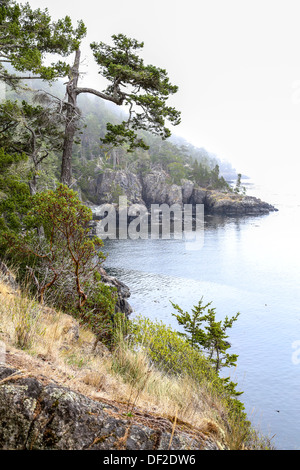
(236,62)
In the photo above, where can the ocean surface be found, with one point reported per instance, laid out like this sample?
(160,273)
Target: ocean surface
(249,265)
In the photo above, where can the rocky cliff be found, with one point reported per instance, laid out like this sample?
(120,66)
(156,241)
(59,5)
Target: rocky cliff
(155,188)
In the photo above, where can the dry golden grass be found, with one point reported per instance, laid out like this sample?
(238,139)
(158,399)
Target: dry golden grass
(51,345)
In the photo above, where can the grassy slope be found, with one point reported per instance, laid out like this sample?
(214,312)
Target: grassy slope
(50,344)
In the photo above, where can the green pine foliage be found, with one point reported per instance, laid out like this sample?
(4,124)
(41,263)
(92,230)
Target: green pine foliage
(212,338)
(121,66)
(204,333)
(14,192)
(27,35)
(34,131)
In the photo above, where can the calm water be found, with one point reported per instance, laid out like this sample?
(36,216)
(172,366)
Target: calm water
(248,265)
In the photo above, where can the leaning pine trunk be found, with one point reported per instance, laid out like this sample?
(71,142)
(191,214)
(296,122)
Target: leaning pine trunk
(71,122)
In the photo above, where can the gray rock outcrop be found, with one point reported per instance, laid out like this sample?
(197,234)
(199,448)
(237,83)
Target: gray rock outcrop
(188,190)
(37,414)
(229,204)
(110,184)
(155,187)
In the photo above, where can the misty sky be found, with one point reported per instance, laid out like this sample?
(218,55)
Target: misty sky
(236,62)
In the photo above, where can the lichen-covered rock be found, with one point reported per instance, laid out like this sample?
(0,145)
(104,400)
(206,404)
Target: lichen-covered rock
(18,402)
(37,416)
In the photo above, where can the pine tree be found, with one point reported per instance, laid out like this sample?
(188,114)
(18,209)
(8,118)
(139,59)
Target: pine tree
(213,338)
(27,35)
(144,89)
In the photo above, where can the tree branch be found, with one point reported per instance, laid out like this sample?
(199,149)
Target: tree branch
(42,157)
(117,100)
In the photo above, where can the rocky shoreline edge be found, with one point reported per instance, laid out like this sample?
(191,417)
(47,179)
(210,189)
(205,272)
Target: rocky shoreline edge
(155,188)
(142,191)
